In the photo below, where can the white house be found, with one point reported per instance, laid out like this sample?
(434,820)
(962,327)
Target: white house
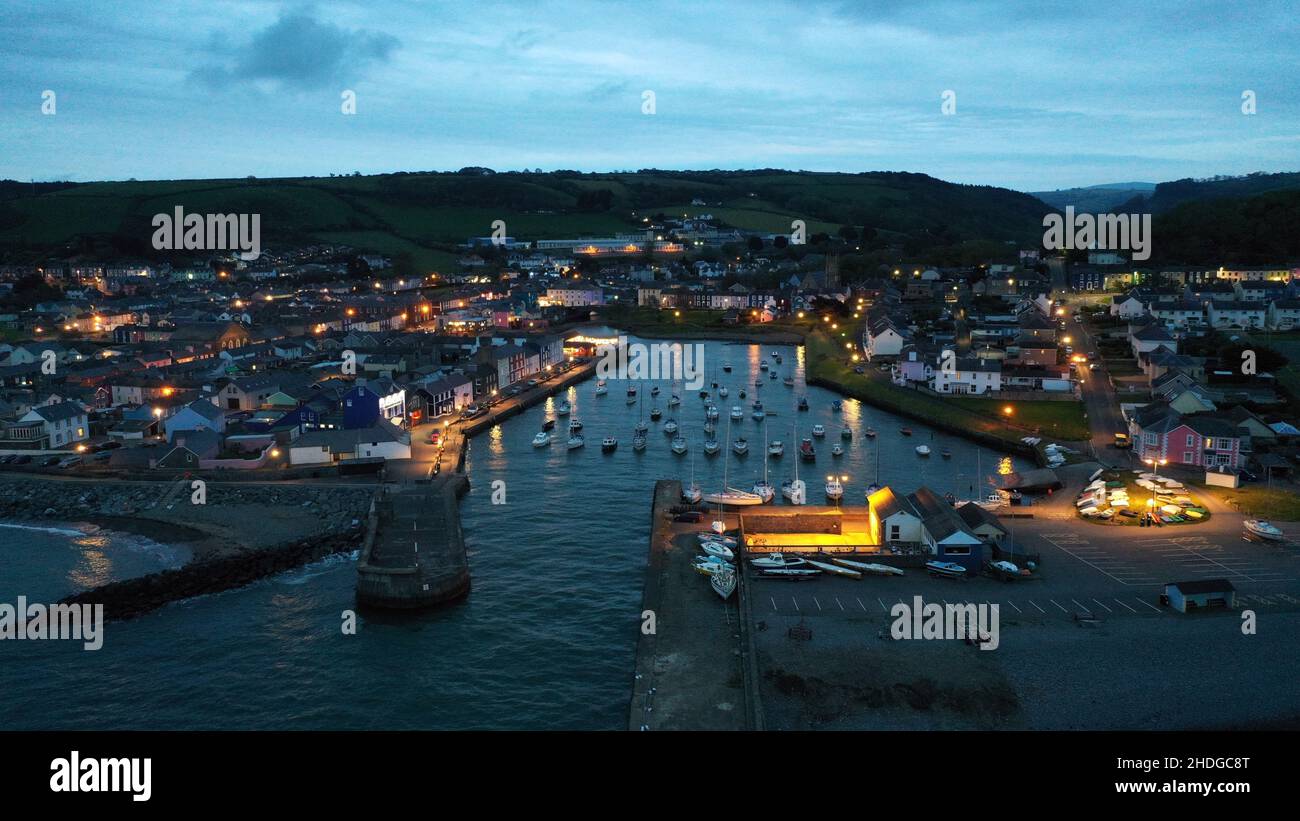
(325,447)
(53,426)
(898,520)
(1127,306)
(967,375)
(1148,338)
(1284,314)
(1234,314)
(883,338)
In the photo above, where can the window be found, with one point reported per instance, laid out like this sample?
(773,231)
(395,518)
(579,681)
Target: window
(1191,440)
(1187,458)
(894,533)
(956,550)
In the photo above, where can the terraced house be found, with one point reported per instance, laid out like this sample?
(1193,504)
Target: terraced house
(1198,440)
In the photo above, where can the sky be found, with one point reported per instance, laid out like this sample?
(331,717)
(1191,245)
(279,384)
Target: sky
(1047,94)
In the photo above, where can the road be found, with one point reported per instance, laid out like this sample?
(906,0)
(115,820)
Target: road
(1100,401)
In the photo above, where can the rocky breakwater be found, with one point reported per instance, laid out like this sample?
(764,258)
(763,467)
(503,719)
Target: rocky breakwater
(237,534)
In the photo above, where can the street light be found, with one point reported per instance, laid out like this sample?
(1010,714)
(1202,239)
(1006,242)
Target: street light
(1155,465)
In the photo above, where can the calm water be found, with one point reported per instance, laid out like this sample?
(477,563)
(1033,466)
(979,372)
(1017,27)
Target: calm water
(546,638)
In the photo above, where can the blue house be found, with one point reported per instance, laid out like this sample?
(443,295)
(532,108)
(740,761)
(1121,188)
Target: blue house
(372,402)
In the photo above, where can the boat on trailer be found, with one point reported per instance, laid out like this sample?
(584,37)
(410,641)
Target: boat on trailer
(950,569)
(1263,529)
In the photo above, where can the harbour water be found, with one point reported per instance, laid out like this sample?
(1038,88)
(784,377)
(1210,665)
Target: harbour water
(544,640)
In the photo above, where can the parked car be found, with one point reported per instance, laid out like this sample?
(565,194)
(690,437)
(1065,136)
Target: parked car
(50,461)
(23,460)
(69,461)
(532,383)
(6,459)
(859,369)
(102,456)
(1092,366)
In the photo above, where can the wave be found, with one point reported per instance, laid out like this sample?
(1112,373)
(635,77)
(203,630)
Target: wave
(58,531)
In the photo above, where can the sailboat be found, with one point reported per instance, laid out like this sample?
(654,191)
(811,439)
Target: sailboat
(711,447)
(764,488)
(641,425)
(631,394)
(723,582)
(679,445)
(729,495)
(692,492)
(834,489)
(795,491)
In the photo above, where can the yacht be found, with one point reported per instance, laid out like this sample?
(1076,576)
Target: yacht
(679,445)
(601,390)
(837,405)
(642,426)
(1264,530)
(837,450)
(731,496)
(574,426)
(740,446)
(541,440)
(692,494)
(670,427)
(795,491)
(723,391)
(764,488)
(818,431)
(711,447)
(712,412)
(759,415)
(846,432)
(777,560)
(655,413)
(775,449)
(638,442)
(710,428)
(608,445)
(736,413)
(576,441)
(803,403)
(674,401)
(922,450)
(563,409)
(723,582)
(834,490)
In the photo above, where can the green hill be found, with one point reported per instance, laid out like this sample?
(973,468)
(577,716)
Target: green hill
(428,214)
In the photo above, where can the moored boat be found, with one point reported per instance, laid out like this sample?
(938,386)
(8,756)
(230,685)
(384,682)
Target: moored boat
(773,561)
(718,549)
(846,432)
(711,447)
(723,582)
(576,441)
(609,444)
(834,488)
(806,451)
(638,442)
(949,569)
(740,446)
(922,450)
(819,431)
(541,440)
(837,449)
(776,449)
(731,496)
(679,445)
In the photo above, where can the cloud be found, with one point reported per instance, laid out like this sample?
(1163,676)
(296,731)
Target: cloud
(299,52)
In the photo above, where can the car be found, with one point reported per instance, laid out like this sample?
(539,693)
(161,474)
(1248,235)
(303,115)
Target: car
(859,369)
(23,460)
(1092,355)
(1092,366)
(1246,476)
(6,459)
(532,383)
(102,456)
(69,461)
(1068,350)
(110,445)
(50,461)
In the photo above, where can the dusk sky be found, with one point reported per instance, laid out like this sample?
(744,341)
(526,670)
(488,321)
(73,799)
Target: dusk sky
(1049,94)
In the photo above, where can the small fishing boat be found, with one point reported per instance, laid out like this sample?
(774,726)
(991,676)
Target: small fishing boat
(608,445)
(803,403)
(869,567)
(726,369)
(704,395)
(723,583)
(835,569)
(773,561)
(922,450)
(642,426)
(1263,529)
(563,409)
(762,366)
(871,433)
(736,413)
(837,450)
(541,440)
(655,414)
(631,390)
(759,415)
(949,569)
(718,549)
(764,488)
(834,489)
(742,393)
(806,451)
(679,445)
(575,426)
(846,432)
(818,431)
(992,501)
(712,412)
(708,565)
(674,401)
(654,391)
(906,431)
(788,381)
(837,405)
(771,374)
(740,446)
(777,357)
(601,390)
(638,442)
(723,392)
(945,453)
(549,424)
(576,441)
(711,447)
(670,427)
(710,428)
(775,449)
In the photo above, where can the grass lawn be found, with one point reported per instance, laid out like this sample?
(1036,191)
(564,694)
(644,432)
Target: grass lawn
(1059,420)
(1277,503)
(826,360)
